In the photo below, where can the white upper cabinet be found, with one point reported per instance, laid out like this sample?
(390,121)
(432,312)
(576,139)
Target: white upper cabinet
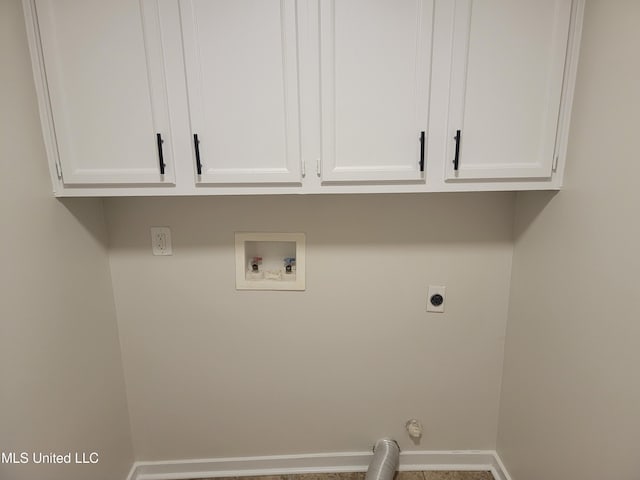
(242,79)
(105,78)
(375,62)
(303,96)
(506,88)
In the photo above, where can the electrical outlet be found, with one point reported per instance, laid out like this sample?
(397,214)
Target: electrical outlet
(435,299)
(161,241)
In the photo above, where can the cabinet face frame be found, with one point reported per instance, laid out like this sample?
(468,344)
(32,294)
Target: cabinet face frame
(283,170)
(67,170)
(340,168)
(44,109)
(546,158)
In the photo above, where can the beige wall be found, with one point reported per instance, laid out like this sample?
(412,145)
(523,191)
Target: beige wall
(62,385)
(215,372)
(571,393)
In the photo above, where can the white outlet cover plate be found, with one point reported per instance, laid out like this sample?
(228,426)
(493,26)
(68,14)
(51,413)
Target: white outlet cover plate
(161,241)
(435,290)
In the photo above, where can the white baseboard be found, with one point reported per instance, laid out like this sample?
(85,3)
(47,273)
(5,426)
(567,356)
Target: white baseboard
(132,472)
(502,468)
(316,463)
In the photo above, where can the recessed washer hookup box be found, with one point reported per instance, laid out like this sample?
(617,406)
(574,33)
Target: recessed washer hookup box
(270,261)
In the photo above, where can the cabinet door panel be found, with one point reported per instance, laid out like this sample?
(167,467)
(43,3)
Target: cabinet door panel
(375,64)
(506,87)
(242,76)
(105,77)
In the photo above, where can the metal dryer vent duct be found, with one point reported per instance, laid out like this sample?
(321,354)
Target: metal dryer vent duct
(386,458)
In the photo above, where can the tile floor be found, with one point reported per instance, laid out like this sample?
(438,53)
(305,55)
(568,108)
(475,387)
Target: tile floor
(360,476)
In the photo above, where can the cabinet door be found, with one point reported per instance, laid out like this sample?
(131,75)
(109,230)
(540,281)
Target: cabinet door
(375,71)
(242,78)
(508,65)
(105,77)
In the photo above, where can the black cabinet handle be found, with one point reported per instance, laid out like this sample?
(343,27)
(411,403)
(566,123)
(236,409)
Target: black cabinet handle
(160,156)
(422,151)
(196,145)
(456,160)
